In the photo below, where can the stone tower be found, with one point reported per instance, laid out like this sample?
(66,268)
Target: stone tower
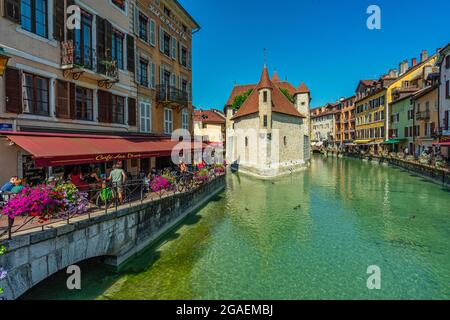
(302,100)
(265,90)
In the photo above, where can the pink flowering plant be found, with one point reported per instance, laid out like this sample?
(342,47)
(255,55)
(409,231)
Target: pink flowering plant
(161,183)
(46,202)
(219,168)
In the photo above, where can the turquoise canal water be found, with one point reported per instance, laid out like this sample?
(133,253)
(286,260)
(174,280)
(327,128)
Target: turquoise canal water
(311,235)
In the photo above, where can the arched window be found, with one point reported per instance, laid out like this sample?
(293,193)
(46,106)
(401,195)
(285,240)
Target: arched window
(246,141)
(285,141)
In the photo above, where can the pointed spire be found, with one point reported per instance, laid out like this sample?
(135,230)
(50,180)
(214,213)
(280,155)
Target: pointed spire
(302,89)
(275,77)
(264,82)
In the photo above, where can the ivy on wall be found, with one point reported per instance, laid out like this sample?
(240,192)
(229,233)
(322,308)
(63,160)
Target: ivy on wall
(239,100)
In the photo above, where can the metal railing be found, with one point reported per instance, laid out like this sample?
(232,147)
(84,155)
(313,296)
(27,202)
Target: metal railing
(423,115)
(103,201)
(167,93)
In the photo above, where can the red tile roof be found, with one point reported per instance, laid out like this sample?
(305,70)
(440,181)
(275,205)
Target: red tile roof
(209,116)
(280,104)
(239,90)
(275,77)
(264,82)
(302,89)
(287,86)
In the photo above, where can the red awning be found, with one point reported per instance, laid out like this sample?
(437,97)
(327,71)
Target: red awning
(443,144)
(59,150)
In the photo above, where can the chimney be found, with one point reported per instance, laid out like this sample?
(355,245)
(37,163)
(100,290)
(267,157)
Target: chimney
(413,62)
(404,67)
(423,56)
(393,73)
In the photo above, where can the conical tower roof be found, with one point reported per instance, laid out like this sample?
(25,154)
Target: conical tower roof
(302,89)
(264,82)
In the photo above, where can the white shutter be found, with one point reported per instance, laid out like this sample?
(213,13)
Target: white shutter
(142,116)
(173,80)
(180,48)
(161,39)
(189,62)
(152,32)
(174,48)
(137,69)
(136,19)
(153,75)
(180,83)
(161,74)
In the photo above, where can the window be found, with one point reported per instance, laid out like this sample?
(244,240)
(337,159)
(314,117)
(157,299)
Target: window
(246,141)
(84,104)
(285,141)
(447,89)
(265,121)
(117,48)
(143,72)
(184,56)
(83,42)
(185,119)
(146,117)
(265,96)
(35,95)
(184,28)
(166,44)
(121,4)
(447,62)
(34,17)
(167,11)
(143,27)
(168,121)
(118,109)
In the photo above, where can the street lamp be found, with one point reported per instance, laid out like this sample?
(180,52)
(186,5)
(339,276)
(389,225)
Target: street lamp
(3,61)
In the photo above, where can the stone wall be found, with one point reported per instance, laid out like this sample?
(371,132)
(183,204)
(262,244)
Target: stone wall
(118,236)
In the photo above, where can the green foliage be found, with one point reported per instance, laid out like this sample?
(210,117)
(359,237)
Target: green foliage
(2,250)
(287,94)
(239,100)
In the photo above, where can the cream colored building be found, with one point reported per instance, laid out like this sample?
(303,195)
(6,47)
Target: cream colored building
(323,127)
(269,134)
(210,125)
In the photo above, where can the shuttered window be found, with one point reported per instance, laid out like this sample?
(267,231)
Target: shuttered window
(118,109)
(131,112)
(152,32)
(168,121)
(185,119)
(13,86)
(131,61)
(62,101)
(145,117)
(104,102)
(117,48)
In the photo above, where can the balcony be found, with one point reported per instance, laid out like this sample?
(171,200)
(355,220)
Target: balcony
(169,95)
(423,115)
(77,60)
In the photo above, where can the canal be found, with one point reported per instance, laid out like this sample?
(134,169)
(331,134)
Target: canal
(311,235)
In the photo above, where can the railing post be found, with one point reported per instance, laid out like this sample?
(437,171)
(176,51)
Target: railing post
(116,198)
(142,191)
(10,225)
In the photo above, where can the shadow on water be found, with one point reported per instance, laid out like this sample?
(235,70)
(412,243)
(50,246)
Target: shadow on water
(105,276)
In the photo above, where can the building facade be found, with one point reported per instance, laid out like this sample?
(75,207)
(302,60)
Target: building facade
(444,99)
(323,125)
(345,122)
(210,125)
(85,79)
(269,134)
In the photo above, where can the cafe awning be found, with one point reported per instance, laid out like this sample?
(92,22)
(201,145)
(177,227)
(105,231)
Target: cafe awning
(392,141)
(362,141)
(67,149)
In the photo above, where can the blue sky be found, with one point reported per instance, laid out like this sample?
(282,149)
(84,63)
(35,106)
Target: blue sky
(324,43)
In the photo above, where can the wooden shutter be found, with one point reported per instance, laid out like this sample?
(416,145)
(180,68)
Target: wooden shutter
(58,20)
(72,101)
(13,90)
(406,132)
(62,101)
(131,112)
(446,114)
(104,103)
(11,9)
(130,54)
(100,44)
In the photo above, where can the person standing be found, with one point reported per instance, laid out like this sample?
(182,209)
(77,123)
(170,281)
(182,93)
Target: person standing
(118,178)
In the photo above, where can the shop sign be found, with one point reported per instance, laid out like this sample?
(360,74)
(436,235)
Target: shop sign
(167,21)
(6,127)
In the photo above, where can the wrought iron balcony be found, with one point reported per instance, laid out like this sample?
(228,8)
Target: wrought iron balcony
(423,115)
(171,95)
(77,59)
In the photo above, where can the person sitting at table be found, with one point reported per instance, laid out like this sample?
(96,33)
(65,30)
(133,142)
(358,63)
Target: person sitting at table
(18,187)
(77,179)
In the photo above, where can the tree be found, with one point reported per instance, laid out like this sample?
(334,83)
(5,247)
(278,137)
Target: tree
(287,94)
(239,100)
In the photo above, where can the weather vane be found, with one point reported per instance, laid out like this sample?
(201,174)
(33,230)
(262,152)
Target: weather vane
(265,57)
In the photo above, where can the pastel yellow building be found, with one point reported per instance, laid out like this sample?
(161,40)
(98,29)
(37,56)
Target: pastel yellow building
(374,97)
